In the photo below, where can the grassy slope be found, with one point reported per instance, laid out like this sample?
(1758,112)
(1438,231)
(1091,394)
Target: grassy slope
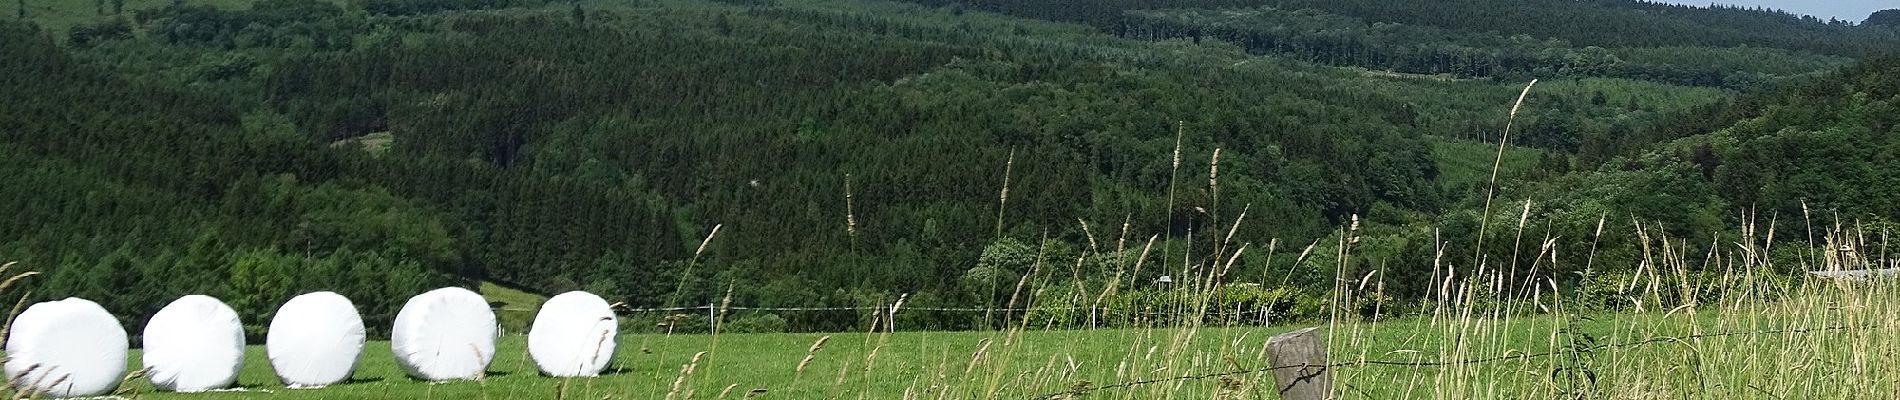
(1462,162)
(59,15)
(516,307)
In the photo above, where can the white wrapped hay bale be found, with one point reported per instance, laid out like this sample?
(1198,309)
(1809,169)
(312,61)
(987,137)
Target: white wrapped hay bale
(315,339)
(66,348)
(194,344)
(573,335)
(444,334)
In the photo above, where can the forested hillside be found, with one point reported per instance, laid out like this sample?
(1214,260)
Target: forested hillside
(1816,151)
(848,152)
(135,193)
(1426,49)
(1721,46)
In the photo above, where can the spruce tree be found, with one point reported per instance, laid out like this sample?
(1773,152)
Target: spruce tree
(1884,17)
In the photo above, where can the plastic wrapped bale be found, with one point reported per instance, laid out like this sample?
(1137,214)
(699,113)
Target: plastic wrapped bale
(445,334)
(573,335)
(194,344)
(315,340)
(66,348)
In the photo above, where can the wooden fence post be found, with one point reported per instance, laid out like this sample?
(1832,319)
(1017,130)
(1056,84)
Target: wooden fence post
(1299,362)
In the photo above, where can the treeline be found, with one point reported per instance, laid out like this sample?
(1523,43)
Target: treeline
(417,7)
(266,23)
(1623,23)
(1422,49)
(1600,23)
(1100,13)
(1720,46)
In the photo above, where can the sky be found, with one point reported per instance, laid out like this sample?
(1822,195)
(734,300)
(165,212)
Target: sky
(1848,10)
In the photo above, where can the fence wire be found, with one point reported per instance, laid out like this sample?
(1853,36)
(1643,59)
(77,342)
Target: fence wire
(1436,363)
(859,308)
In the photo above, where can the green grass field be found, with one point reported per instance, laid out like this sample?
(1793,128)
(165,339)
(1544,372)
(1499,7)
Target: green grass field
(59,15)
(646,366)
(1828,342)
(1462,163)
(514,308)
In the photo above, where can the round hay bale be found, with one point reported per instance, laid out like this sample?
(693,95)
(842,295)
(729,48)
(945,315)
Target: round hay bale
(315,340)
(66,348)
(194,344)
(573,335)
(444,334)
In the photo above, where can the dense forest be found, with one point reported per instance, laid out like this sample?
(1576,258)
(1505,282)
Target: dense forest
(849,152)
(1423,49)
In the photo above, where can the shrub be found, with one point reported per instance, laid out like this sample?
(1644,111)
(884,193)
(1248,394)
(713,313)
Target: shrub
(87,35)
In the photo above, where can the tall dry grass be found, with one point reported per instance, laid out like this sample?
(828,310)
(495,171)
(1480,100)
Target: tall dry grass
(15,277)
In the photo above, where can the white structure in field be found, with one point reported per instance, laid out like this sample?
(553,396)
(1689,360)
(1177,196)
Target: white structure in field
(444,334)
(194,344)
(66,348)
(573,335)
(315,339)
(1858,274)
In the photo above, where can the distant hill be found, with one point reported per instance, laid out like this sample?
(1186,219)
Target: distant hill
(849,152)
